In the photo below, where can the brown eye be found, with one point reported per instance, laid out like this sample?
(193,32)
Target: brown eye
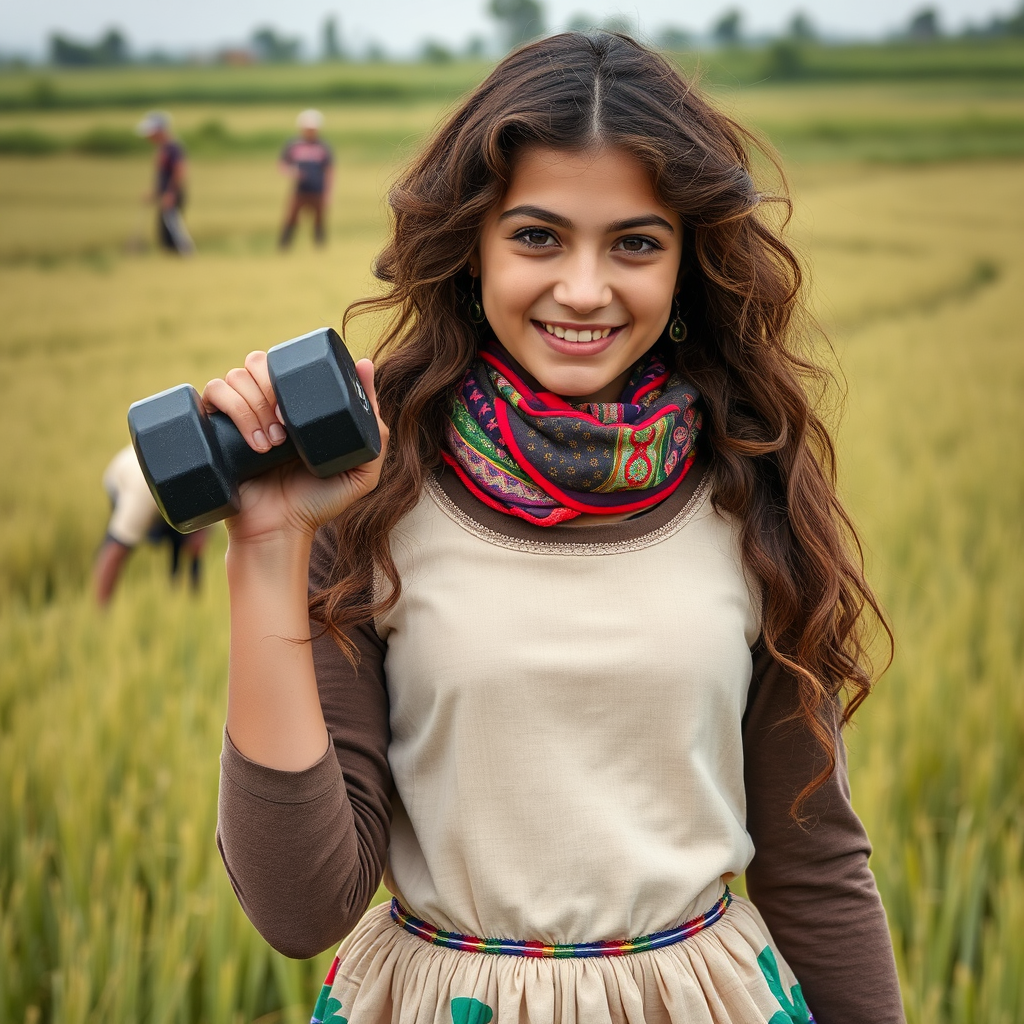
(536,238)
(638,245)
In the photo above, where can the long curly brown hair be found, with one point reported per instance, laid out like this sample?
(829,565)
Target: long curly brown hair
(772,457)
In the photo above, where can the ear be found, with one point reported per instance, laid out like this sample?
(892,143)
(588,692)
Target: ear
(473,261)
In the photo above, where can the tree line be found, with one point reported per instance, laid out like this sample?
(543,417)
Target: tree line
(517,22)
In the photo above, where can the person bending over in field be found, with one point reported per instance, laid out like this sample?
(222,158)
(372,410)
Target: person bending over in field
(585,635)
(309,162)
(168,193)
(135,518)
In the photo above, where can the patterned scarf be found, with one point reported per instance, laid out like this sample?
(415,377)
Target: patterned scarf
(529,453)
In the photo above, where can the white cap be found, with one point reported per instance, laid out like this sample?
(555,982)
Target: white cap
(310,119)
(155,121)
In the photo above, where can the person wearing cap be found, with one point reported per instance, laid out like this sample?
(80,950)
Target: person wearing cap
(308,160)
(135,518)
(169,188)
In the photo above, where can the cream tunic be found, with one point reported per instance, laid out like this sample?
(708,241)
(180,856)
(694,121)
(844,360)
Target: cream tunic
(559,776)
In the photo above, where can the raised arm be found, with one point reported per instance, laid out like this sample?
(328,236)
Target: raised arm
(811,882)
(278,761)
(274,716)
(306,850)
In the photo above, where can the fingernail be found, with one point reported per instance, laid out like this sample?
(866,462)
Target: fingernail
(276,432)
(260,439)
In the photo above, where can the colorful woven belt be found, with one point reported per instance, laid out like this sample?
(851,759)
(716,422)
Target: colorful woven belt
(514,947)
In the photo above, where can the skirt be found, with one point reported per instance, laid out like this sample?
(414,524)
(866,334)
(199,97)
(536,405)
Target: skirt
(723,972)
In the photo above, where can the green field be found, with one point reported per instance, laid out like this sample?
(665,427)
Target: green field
(991,60)
(113,903)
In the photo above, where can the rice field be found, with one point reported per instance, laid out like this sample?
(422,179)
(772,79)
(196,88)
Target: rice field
(113,903)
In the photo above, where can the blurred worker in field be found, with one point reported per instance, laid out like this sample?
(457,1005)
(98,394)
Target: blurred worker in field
(308,160)
(169,188)
(136,518)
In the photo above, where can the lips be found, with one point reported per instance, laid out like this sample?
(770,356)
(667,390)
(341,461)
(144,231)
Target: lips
(571,341)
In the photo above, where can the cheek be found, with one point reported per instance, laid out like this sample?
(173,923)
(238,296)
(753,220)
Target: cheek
(651,298)
(510,286)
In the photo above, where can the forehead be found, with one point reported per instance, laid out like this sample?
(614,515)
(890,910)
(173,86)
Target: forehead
(604,183)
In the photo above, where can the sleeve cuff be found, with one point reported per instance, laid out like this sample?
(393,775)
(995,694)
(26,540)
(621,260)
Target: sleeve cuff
(278,786)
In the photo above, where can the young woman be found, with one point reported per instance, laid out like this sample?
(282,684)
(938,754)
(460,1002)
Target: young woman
(585,635)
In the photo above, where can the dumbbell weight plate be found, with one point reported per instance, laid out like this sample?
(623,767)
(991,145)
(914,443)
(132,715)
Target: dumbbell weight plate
(325,410)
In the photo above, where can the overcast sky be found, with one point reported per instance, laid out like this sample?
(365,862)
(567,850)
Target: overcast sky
(401,24)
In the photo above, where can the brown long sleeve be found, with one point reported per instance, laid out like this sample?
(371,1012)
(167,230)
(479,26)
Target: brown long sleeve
(812,883)
(305,851)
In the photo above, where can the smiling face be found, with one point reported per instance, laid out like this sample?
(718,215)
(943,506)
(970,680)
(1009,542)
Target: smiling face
(578,265)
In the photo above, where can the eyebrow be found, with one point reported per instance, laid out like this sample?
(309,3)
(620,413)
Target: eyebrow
(643,221)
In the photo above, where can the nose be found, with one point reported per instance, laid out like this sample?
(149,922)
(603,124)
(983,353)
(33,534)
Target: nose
(583,285)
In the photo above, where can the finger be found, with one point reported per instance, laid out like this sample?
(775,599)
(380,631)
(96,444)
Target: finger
(220,396)
(364,369)
(256,364)
(242,381)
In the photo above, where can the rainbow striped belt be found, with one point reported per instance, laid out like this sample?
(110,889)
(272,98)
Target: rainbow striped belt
(514,947)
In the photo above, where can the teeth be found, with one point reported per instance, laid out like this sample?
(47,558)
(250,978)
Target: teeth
(573,335)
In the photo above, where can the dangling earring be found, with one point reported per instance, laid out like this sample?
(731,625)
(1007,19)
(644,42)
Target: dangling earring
(476,310)
(677,328)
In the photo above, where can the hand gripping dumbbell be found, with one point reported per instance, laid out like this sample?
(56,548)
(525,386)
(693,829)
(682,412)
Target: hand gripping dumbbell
(194,460)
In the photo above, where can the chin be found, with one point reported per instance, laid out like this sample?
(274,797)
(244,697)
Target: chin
(573,386)
(561,376)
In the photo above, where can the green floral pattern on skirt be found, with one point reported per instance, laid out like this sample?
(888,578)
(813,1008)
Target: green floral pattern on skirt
(794,1009)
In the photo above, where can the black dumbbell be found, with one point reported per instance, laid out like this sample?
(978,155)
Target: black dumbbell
(194,461)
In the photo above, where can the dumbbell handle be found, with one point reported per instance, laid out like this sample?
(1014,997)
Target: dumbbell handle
(244,461)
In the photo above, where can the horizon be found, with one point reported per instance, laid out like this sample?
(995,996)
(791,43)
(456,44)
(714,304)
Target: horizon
(228,24)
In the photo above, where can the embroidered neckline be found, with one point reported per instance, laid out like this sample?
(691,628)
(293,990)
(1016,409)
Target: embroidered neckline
(546,547)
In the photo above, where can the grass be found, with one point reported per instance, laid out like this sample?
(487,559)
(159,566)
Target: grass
(113,908)
(358,132)
(113,902)
(359,84)
(990,60)
(933,447)
(901,123)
